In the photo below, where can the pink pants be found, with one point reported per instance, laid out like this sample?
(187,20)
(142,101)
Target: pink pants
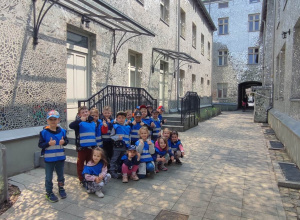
(126,170)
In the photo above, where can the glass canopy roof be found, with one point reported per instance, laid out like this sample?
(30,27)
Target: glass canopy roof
(176,55)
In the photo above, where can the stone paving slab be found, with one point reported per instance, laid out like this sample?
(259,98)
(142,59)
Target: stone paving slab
(227,173)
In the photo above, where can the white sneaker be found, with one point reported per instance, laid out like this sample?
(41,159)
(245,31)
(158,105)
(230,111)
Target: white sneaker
(99,194)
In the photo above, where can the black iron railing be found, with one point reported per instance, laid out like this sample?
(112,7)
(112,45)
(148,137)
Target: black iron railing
(190,106)
(119,98)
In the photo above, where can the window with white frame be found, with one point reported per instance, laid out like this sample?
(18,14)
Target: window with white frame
(202,44)
(222,90)
(164,10)
(253,21)
(223,58)
(193,82)
(253,53)
(223,5)
(194,35)
(182,23)
(181,82)
(223,26)
(208,50)
(134,70)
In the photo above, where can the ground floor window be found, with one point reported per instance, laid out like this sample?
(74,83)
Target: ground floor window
(134,67)
(222,90)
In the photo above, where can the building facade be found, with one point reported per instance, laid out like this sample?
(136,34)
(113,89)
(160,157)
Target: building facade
(280,99)
(73,58)
(236,50)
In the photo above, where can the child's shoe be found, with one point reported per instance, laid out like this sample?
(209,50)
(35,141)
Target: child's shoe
(125,178)
(99,194)
(51,197)
(169,162)
(83,183)
(114,175)
(61,190)
(134,177)
(162,167)
(156,169)
(178,162)
(89,191)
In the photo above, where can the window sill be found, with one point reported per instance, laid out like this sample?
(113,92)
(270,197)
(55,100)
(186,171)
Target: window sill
(253,64)
(222,65)
(254,31)
(223,34)
(164,22)
(295,100)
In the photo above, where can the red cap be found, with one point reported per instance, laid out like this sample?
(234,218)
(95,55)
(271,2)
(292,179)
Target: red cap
(142,106)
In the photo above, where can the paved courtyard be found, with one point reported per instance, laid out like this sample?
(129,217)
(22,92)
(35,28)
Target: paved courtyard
(226,174)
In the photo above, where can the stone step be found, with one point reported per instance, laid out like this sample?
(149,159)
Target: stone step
(178,123)
(70,150)
(70,165)
(178,128)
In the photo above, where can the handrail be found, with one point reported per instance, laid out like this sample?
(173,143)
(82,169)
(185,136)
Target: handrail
(119,98)
(190,104)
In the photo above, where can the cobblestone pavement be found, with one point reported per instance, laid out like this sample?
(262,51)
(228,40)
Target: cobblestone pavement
(226,174)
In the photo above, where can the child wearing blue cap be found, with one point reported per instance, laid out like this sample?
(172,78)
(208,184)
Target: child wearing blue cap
(52,139)
(131,161)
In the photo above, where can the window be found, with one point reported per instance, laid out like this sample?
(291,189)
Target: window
(208,82)
(253,55)
(194,35)
(181,80)
(193,82)
(77,40)
(202,80)
(182,23)
(253,21)
(202,44)
(164,10)
(208,50)
(223,26)
(254,1)
(222,90)
(223,5)
(222,58)
(134,71)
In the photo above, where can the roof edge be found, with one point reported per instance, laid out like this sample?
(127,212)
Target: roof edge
(207,15)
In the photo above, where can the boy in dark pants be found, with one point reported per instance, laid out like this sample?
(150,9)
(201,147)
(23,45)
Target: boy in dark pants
(120,134)
(85,132)
(107,142)
(52,140)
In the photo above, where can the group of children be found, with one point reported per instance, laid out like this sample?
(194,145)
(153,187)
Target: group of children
(131,145)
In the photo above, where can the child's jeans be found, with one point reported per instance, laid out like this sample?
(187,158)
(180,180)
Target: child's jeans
(49,168)
(144,168)
(115,161)
(94,187)
(128,171)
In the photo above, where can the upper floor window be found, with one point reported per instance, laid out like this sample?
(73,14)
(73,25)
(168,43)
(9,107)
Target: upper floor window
(253,21)
(182,23)
(253,55)
(223,25)
(194,35)
(254,1)
(164,10)
(202,44)
(222,58)
(223,5)
(208,50)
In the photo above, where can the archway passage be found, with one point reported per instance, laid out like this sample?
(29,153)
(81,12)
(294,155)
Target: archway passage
(245,89)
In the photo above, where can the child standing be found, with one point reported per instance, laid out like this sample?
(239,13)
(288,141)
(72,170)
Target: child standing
(131,161)
(146,119)
(161,110)
(120,134)
(145,147)
(101,127)
(135,127)
(85,132)
(176,147)
(107,142)
(129,117)
(52,139)
(162,154)
(158,124)
(95,173)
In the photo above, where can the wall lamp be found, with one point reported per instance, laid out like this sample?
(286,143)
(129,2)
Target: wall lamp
(86,20)
(284,33)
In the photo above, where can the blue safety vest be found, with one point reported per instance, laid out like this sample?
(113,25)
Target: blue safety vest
(93,170)
(134,134)
(175,146)
(157,128)
(145,155)
(98,134)
(56,152)
(106,137)
(124,132)
(87,134)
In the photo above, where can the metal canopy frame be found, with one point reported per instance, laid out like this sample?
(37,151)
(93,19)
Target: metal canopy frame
(181,56)
(99,12)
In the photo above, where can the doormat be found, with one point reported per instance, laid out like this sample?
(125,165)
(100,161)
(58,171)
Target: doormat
(166,215)
(290,171)
(269,131)
(276,145)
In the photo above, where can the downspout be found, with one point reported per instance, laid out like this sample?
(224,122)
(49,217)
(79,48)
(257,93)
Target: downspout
(178,50)
(273,54)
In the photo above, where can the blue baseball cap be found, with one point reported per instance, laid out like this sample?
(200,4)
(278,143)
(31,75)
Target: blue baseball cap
(131,147)
(53,114)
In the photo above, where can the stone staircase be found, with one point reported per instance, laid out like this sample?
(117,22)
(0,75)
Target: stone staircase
(174,122)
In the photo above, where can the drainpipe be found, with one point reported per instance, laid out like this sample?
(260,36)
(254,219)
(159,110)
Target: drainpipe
(178,49)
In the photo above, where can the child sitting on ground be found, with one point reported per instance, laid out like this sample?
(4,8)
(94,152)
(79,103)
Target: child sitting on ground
(162,154)
(95,173)
(145,147)
(176,147)
(131,161)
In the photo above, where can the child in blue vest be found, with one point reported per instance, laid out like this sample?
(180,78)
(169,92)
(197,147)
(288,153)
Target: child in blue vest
(135,127)
(129,117)
(107,142)
(131,161)
(145,147)
(95,173)
(148,121)
(161,110)
(85,132)
(52,140)
(120,134)
(101,127)
(176,147)
(158,124)
(162,154)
